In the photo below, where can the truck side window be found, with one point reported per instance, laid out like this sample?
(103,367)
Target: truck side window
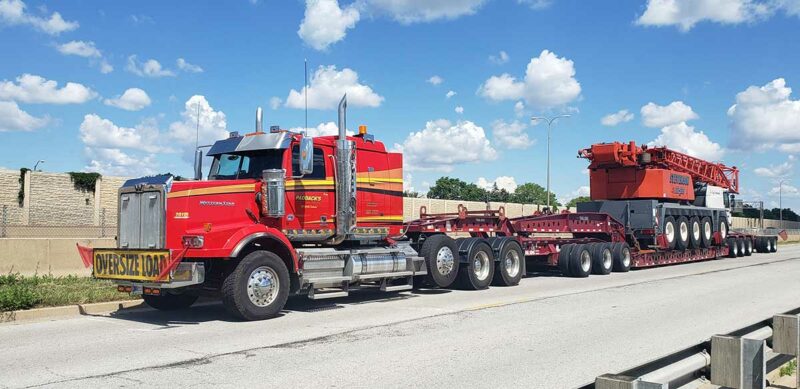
(319,164)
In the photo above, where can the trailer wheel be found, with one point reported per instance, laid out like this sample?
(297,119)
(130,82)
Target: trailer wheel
(441,260)
(767,242)
(257,288)
(707,232)
(670,231)
(563,259)
(622,257)
(733,248)
(580,261)
(695,233)
(774,245)
(479,269)
(760,245)
(682,241)
(602,258)
(740,243)
(748,247)
(508,270)
(169,302)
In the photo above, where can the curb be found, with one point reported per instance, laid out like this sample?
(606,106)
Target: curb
(69,310)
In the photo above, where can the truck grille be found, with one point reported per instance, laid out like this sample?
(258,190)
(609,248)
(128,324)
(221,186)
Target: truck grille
(141,218)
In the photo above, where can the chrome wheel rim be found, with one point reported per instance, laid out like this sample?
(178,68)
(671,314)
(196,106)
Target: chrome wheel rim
(480,265)
(512,263)
(684,232)
(626,258)
(445,260)
(707,230)
(723,230)
(586,261)
(608,259)
(262,286)
(696,231)
(669,230)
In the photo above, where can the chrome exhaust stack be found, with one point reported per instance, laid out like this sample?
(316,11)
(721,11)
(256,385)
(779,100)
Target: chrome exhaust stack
(259,120)
(345,179)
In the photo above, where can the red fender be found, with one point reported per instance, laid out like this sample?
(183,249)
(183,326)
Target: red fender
(245,235)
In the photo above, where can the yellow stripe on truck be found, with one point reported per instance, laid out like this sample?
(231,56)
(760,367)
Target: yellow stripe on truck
(212,190)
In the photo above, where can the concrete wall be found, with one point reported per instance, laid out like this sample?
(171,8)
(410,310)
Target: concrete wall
(55,256)
(9,190)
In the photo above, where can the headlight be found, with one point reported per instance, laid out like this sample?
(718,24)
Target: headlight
(193,241)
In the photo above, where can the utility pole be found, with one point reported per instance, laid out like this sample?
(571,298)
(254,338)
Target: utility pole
(549,121)
(780,201)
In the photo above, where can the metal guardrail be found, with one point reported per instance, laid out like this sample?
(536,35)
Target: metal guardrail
(740,359)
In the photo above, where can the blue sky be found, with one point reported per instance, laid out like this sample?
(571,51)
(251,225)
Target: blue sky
(136,66)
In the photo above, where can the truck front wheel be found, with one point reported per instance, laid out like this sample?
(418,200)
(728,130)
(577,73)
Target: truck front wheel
(257,288)
(169,302)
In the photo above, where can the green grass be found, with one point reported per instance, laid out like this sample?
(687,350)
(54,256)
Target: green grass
(25,292)
(789,368)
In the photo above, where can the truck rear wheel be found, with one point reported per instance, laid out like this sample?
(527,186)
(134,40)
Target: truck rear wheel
(580,261)
(695,233)
(169,302)
(707,232)
(622,256)
(479,270)
(602,259)
(682,238)
(508,270)
(441,259)
(563,259)
(257,288)
(670,231)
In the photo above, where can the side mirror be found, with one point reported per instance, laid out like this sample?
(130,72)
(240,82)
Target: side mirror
(306,155)
(198,164)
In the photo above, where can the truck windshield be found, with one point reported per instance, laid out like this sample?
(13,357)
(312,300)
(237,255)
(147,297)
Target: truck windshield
(245,165)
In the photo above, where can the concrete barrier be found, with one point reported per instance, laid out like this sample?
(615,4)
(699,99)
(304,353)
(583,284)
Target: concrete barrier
(56,256)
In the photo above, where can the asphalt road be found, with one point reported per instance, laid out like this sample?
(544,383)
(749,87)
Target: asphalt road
(548,332)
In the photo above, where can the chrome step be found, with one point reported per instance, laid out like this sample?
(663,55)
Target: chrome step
(396,288)
(397,274)
(326,295)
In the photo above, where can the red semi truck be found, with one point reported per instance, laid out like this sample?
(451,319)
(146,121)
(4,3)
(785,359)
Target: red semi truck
(282,214)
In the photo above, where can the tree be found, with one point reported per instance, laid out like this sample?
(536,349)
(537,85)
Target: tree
(411,193)
(580,199)
(530,193)
(454,189)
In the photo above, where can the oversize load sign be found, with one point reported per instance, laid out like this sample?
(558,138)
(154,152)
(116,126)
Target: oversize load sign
(132,265)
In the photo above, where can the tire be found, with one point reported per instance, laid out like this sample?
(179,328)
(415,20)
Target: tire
(774,247)
(723,228)
(257,288)
(441,260)
(740,243)
(682,238)
(602,258)
(748,247)
(508,268)
(169,302)
(733,248)
(695,233)
(479,270)
(622,257)
(580,261)
(767,244)
(670,232)
(707,232)
(759,246)
(563,259)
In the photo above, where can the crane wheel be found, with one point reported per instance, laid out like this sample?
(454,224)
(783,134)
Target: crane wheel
(580,261)
(670,232)
(622,256)
(602,258)
(478,272)
(563,259)
(695,233)
(508,268)
(257,288)
(441,260)
(723,228)
(707,232)
(682,238)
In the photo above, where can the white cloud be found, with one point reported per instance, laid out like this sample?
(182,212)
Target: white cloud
(682,137)
(327,87)
(325,23)
(435,80)
(500,58)
(275,102)
(549,81)
(79,48)
(612,119)
(187,67)
(35,89)
(323,129)
(441,145)
(12,118)
(149,68)
(105,67)
(503,182)
(655,116)
(450,94)
(580,192)
(777,171)
(536,4)
(98,132)
(13,13)
(519,109)
(133,99)
(685,14)
(785,190)
(115,162)
(213,125)
(764,117)
(459,109)
(511,135)
(414,11)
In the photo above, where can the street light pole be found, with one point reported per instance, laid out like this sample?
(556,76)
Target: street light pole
(549,121)
(780,201)
(37,164)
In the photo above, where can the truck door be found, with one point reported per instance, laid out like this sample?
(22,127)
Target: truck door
(311,198)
